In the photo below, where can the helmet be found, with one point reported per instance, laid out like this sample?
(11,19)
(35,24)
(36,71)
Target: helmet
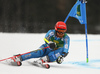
(60,25)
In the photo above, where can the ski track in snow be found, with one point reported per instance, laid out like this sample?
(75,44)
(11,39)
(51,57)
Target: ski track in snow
(74,63)
(93,64)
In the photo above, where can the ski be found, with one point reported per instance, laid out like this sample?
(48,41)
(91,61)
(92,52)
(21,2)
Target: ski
(13,57)
(43,64)
(12,61)
(46,65)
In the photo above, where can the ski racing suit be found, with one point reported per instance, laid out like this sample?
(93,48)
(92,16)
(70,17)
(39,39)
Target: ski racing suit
(62,47)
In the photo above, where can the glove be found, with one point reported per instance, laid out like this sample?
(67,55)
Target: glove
(60,59)
(52,44)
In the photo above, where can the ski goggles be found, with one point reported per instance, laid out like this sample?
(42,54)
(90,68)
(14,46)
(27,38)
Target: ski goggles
(61,31)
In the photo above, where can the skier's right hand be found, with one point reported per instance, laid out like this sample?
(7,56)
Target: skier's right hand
(60,59)
(52,44)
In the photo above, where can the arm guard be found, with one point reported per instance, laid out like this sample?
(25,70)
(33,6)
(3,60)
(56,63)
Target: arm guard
(64,54)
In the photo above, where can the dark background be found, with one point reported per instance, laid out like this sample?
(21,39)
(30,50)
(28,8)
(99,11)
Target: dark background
(38,16)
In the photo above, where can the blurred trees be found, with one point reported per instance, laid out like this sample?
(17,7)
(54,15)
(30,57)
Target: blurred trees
(36,16)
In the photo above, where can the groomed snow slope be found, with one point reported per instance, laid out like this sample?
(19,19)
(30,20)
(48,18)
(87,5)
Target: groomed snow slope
(74,63)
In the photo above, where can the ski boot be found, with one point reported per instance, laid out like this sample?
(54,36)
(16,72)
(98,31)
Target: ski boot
(42,61)
(16,60)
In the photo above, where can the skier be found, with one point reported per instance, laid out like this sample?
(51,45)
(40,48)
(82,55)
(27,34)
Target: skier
(55,48)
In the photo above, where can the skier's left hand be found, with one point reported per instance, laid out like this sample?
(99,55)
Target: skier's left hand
(60,59)
(52,44)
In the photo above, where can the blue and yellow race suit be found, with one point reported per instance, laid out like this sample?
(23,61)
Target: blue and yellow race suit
(62,47)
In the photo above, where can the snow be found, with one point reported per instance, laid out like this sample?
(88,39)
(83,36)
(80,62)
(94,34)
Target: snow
(75,63)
